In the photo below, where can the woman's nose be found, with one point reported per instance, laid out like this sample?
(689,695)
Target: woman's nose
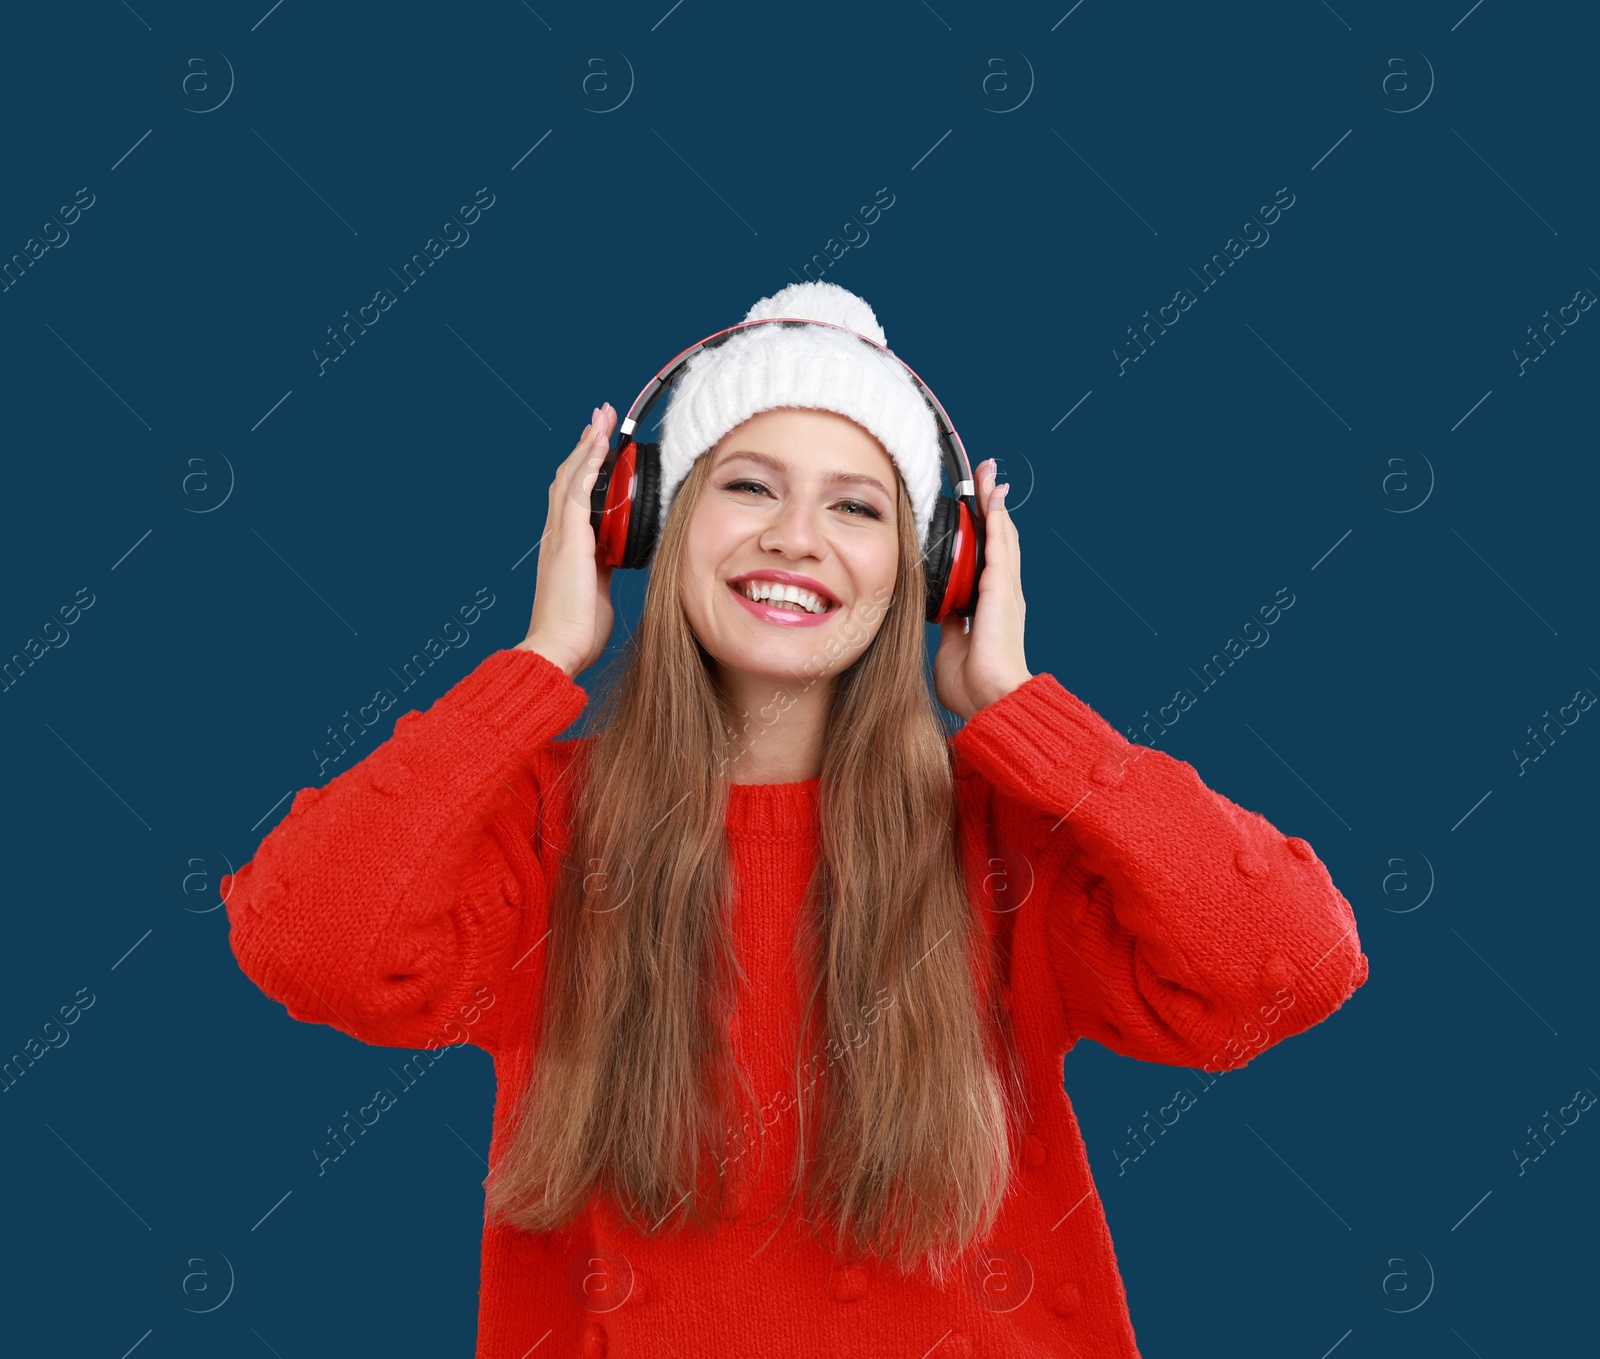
(795,530)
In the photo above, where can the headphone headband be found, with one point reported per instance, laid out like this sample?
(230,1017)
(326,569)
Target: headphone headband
(952,550)
(953,453)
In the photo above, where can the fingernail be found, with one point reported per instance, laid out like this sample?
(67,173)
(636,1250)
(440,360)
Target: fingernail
(1001,475)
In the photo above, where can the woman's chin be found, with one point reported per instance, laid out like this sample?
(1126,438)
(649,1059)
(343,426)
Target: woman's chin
(775,665)
(782,660)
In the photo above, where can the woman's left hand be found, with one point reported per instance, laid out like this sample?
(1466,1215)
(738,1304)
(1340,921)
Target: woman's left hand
(976,668)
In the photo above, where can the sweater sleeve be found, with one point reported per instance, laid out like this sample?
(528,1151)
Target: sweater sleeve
(1181,928)
(388,903)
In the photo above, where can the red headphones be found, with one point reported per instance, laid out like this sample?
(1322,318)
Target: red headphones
(952,554)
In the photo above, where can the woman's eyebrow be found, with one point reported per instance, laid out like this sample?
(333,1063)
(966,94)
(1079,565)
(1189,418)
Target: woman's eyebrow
(779,466)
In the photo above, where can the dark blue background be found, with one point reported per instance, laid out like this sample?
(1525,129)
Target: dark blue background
(1233,460)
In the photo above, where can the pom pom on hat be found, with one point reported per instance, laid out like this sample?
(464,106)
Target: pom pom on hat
(821,302)
(767,367)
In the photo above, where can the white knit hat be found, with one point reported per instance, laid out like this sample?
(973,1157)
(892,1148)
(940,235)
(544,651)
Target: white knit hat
(812,366)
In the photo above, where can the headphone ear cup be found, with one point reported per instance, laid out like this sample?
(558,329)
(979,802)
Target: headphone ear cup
(955,560)
(940,550)
(644,508)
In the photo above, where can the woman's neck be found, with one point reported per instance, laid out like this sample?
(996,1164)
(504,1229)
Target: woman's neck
(778,728)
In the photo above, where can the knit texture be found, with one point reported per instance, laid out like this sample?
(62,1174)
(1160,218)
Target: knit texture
(404,903)
(766,367)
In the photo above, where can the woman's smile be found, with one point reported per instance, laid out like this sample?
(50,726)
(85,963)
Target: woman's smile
(808,611)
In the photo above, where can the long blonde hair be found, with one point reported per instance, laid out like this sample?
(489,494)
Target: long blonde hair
(908,1093)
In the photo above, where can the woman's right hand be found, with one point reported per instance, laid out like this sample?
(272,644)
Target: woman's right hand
(572,613)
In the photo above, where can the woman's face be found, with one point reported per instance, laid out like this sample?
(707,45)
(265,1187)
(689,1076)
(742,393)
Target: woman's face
(803,497)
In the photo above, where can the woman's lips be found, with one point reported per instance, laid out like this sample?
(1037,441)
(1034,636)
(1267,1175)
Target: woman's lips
(782,617)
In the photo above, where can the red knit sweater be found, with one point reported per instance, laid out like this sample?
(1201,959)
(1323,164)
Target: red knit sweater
(404,904)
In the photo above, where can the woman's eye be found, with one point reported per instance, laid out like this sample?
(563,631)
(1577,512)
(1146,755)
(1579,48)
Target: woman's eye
(859,506)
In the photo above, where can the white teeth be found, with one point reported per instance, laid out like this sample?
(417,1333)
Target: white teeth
(771,590)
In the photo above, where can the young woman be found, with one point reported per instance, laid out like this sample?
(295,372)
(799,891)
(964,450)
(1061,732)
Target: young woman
(777,976)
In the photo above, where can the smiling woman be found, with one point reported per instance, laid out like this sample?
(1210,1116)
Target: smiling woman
(777,1074)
